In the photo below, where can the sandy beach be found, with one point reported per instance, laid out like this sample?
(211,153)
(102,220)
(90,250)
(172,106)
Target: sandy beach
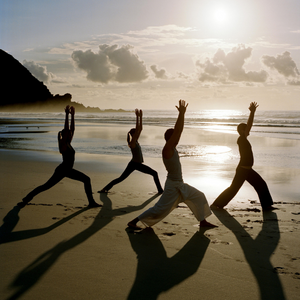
(56,248)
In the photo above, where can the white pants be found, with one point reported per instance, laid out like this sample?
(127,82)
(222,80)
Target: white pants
(174,193)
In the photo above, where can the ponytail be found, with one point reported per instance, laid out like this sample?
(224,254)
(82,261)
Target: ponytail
(128,138)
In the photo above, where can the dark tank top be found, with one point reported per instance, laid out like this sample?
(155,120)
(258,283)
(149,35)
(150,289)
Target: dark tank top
(137,155)
(68,156)
(246,159)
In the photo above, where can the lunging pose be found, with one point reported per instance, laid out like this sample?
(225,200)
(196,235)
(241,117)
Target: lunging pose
(65,169)
(175,190)
(137,160)
(244,169)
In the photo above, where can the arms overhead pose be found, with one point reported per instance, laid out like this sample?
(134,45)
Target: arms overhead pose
(65,169)
(244,169)
(137,160)
(175,190)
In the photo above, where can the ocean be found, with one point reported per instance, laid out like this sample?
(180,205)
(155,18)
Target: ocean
(38,131)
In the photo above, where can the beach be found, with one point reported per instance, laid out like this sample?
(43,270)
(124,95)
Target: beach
(57,248)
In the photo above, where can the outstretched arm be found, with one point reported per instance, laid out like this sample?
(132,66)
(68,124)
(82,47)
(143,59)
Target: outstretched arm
(174,140)
(252,108)
(138,127)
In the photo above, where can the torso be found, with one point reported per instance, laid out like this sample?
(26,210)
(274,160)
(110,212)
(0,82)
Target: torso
(173,167)
(69,156)
(246,154)
(137,155)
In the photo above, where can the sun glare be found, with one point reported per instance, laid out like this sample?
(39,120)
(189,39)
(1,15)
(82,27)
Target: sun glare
(221,16)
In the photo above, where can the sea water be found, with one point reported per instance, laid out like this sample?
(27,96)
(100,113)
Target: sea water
(105,132)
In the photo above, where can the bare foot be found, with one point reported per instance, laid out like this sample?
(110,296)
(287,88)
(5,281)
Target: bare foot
(133,226)
(204,223)
(94,204)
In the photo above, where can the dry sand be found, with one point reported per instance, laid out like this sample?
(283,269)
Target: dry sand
(56,248)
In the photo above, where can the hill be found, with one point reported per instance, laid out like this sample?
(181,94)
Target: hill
(21,91)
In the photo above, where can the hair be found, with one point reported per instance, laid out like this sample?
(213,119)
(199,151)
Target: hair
(131,132)
(241,128)
(169,133)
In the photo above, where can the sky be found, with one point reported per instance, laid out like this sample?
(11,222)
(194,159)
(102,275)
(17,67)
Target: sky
(143,54)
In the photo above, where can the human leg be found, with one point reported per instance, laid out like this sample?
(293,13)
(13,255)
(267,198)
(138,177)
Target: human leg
(261,188)
(129,169)
(147,170)
(77,175)
(224,198)
(57,176)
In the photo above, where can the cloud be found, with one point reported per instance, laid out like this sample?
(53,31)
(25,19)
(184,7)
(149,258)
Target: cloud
(230,67)
(161,74)
(283,63)
(38,71)
(111,64)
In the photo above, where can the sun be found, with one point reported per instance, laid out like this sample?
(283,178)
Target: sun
(221,16)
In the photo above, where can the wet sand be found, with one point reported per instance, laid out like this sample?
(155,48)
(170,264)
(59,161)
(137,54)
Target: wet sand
(56,248)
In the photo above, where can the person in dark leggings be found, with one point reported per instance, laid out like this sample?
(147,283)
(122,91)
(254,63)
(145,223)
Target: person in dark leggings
(137,160)
(244,171)
(65,169)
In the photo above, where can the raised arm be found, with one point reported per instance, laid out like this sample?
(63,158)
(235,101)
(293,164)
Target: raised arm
(252,108)
(67,111)
(72,129)
(174,139)
(138,127)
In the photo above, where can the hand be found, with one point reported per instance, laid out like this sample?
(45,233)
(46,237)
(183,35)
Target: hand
(141,113)
(182,106)
(253,106)
(67,109)
(72,110)
(137,112)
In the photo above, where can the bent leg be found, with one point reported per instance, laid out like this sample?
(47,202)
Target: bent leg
(196,201)
(261,188)
(129,169)
(147,170)
(57,176)
(238,180)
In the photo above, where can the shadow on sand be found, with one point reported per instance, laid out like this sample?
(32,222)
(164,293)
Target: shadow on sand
(258,251)
(157,273)
(38,268)
(12,218)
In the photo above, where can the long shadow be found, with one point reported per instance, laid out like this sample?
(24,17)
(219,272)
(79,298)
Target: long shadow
(157,273)
(12,218)
(258,251)
(34,272)
(9,223)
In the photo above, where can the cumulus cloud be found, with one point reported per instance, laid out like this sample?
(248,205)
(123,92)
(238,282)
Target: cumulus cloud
(111,64)
(230,67)
(161,74)
(283,63)
(38,71)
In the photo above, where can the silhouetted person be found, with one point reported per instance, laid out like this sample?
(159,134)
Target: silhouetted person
(244,169)
(65,169)
(137,160)
(175,190)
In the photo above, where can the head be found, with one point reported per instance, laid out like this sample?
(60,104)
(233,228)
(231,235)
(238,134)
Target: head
(130,134)
(241,128)
(65,134)
(168,133)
